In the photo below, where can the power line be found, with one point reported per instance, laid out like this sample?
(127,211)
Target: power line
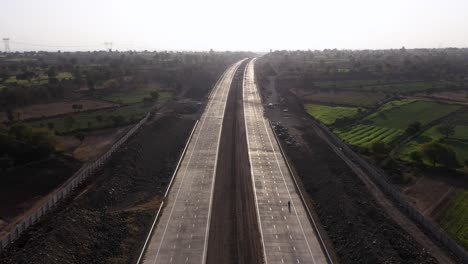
(52,46)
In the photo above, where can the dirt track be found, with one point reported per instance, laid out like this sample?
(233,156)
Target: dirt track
(234,236)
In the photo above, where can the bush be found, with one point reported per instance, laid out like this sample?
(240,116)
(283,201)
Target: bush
(438,153)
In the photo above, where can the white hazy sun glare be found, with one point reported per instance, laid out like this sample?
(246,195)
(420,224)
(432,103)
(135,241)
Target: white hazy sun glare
(257,25)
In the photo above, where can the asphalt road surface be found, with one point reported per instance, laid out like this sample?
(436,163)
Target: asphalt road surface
(182,232)
(234,236)
(286,232)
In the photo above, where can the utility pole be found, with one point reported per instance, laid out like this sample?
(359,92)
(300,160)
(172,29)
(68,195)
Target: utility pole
(108,46)
(6,41)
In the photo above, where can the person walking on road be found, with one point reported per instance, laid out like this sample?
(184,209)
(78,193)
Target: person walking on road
(289,206)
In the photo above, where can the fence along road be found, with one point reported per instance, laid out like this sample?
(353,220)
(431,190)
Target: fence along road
(287,236)
(182,232)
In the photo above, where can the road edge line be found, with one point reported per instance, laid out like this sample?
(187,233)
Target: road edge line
(167,191)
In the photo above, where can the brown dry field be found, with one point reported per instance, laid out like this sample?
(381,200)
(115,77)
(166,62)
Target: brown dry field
(94,145)
(426,194)
(459,96)
(54,109)
(349,98)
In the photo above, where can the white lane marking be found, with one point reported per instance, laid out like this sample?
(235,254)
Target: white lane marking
(251,167)
(186,168)
(205,246)
(284,180)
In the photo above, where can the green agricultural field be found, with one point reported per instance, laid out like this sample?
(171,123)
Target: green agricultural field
(346,84)
(94,119)
(350,98)
(391,120)
(364,135)
(384,86)
(401,114)
(42,79)
(458,142)
(135,97)
(455,218)
(329,114)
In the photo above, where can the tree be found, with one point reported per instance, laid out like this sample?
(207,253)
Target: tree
(155,95)
(379,150)
(80,136)
(52,72)
(10,115)
(416,157)
(438,153)
(466,163)
(98,118)
(446,130)
(117,120)
(69,121)
(413,128)
(50,125)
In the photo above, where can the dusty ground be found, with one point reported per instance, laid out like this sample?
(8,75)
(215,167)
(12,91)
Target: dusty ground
(234,236)
(108,219)
(55,109)
(358,225)
(459,96)
(94,145)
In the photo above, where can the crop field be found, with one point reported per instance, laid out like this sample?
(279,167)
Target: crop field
(54,109)
(400,114)
(455,218)
(346,84)
(329,114)
(346,98)
(94,119)
(391,120)
(384,86)
(364,135)
(135,97)
(458,142)
(42,79)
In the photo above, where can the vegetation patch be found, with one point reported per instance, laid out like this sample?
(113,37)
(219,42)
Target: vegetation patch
(385,86)
(329,114)
(455,218)
(458,142)
(400,114)
(346,98)
(135,96)
(365,135)
(113,117)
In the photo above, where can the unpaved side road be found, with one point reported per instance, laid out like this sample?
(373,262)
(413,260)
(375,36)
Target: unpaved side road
(234,236)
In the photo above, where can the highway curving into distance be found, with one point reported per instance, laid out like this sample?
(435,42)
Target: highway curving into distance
(182,232)
(287,234)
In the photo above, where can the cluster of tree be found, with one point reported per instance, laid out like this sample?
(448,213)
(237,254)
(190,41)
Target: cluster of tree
(21,144)
(435,153)
(402,64)
(194,71)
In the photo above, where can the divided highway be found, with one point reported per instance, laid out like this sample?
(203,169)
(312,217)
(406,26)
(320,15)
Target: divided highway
(182,232)
(251,220)
(287,234)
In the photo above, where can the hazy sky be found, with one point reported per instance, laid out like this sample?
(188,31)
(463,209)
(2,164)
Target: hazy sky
(234,25)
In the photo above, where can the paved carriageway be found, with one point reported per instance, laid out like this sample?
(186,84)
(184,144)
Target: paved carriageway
(286,237)
(181,234)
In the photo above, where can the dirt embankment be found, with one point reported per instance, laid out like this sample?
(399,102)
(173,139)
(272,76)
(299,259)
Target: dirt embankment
(360,229)
(107,221)
(234,236)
